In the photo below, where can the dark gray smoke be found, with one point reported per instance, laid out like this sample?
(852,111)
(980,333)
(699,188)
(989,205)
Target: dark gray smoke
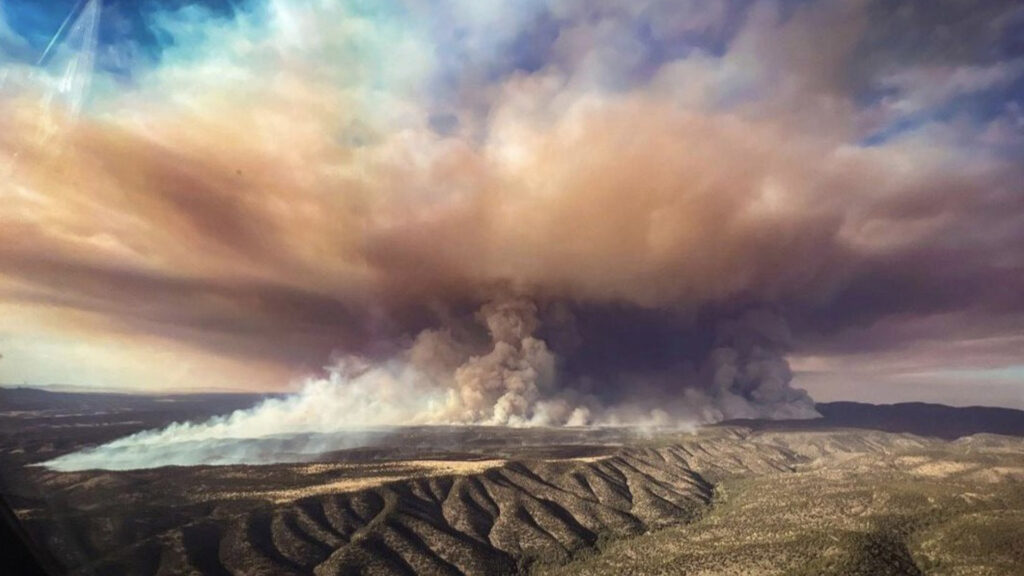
(500,370)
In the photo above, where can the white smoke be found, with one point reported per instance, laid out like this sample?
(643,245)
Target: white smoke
(513,380)
(437,380)
(345,409)
(506,385)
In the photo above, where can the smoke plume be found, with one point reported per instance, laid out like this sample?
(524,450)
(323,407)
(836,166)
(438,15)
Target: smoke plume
(565,213)
(500,372)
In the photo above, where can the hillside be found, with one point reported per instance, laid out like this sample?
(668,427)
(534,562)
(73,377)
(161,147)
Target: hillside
(763,498)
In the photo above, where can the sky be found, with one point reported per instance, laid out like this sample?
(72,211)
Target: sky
(235,194)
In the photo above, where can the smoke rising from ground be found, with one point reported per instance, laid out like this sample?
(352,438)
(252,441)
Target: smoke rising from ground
(391,167)
(567,213)
(504,374)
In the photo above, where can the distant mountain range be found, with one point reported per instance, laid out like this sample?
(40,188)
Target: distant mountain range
(27,398)
(935,420)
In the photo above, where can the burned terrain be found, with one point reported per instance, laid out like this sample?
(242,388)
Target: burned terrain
(740,498)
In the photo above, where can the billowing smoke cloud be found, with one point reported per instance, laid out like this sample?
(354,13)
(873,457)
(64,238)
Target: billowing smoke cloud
(338,411)
(564,213)
(509,378)
(748,371)
(505,385)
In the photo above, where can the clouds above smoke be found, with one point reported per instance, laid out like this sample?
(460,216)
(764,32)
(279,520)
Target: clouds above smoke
(296,180)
